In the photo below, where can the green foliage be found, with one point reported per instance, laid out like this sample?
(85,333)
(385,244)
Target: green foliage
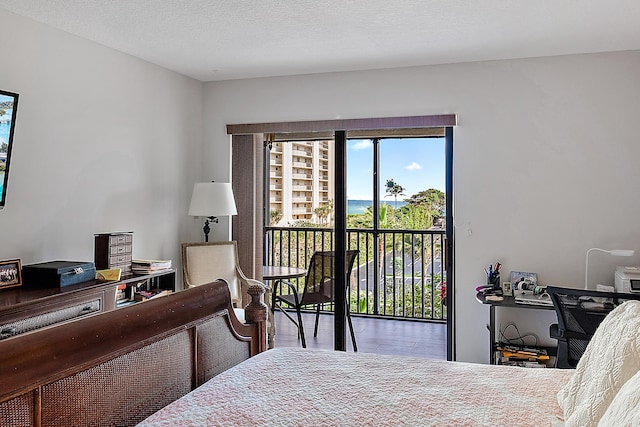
(324,212)
(422,300)
(274,217)
(433,200)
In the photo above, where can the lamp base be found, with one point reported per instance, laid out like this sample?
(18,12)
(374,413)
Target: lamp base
(206,229)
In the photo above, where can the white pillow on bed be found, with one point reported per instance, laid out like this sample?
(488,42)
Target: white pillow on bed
(610,359)
(624,410)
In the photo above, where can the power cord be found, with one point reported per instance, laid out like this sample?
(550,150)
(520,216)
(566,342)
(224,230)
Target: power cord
(519,339)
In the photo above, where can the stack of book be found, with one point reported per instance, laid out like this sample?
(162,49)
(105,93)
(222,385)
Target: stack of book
(147,266)
(147,295)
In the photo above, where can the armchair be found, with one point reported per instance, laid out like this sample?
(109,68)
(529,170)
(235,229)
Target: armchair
(205,262)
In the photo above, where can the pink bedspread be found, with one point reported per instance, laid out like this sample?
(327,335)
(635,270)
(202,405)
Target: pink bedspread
(296,387)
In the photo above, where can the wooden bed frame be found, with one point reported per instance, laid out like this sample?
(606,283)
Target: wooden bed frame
(121,366)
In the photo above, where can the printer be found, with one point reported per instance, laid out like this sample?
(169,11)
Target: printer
(627,279)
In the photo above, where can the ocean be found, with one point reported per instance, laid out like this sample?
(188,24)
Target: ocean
(360,206)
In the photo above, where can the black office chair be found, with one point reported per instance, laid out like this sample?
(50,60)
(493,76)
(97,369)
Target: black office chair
(579,312)
(319,289)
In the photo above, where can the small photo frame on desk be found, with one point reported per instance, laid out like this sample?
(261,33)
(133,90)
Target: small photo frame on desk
(523,282)
(10,273)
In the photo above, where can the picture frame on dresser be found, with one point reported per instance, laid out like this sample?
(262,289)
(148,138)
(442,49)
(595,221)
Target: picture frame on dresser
(10,273)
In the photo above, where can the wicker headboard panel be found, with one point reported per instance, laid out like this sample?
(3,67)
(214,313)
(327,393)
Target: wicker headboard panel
(119,367)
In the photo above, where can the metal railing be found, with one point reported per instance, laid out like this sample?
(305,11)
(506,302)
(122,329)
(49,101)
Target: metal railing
(397,274)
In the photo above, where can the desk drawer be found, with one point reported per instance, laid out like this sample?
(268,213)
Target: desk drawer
(38,321)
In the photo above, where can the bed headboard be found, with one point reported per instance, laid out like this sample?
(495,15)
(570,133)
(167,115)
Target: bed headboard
(119,367)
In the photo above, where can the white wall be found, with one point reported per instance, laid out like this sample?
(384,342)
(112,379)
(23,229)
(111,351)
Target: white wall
(546,159)
(546,154)
(103,142)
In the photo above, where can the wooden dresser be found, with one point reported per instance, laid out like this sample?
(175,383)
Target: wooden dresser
(23,310)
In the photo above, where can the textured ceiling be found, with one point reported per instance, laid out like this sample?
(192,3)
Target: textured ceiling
(231,39)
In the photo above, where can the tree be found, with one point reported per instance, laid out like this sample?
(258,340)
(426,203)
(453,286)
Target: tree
(274,217)
(323,212)
(394,189)
(434,200)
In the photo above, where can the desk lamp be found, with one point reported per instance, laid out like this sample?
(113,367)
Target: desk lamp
(211,200)
(613,252)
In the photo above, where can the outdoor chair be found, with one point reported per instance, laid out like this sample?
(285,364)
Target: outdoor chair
(579,313)
(319,289)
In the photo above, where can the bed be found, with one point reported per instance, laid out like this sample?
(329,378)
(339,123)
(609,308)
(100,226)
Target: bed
(118,367)
(300,387)
(207,369)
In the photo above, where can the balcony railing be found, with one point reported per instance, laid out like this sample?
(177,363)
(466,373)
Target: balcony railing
(397,274)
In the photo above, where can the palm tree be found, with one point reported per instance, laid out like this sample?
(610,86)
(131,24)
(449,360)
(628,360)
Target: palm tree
(394,189)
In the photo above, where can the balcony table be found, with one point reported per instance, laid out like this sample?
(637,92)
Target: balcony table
(277,272)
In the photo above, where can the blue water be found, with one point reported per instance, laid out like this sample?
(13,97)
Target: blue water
(360,206)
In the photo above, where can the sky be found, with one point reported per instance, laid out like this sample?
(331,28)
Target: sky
(416,164)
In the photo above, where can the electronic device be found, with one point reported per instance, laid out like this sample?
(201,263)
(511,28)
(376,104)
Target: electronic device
(528,298)
(627,279)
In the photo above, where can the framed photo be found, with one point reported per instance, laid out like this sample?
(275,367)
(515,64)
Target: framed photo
(523,282)
(10,273)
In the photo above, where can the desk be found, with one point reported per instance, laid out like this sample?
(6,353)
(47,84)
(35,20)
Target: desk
(275,272)
(508,302)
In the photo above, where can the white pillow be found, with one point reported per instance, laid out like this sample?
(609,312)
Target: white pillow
(610,359)
(624,410)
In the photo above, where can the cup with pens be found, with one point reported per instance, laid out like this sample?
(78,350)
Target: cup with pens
(493,275)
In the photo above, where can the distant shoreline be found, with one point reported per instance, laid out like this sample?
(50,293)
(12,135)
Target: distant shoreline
(358,206)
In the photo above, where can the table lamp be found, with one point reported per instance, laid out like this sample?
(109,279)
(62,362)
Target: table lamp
(212,200)
(613,252)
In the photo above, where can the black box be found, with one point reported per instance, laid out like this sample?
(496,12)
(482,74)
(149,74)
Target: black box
(54,274)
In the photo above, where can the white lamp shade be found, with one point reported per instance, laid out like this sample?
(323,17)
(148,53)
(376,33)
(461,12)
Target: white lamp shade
(212,199)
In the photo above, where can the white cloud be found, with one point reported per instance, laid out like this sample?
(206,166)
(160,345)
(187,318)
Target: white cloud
(413,167)
(362,145)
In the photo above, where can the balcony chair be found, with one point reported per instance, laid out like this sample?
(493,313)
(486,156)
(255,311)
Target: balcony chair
(579,313)
(205,262)
(319,287)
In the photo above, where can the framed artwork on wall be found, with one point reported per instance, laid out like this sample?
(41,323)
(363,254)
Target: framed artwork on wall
(8,110)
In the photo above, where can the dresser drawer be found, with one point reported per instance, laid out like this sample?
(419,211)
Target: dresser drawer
(38,321)
(120,250)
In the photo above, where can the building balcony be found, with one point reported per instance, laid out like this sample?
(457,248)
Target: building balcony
(401,277)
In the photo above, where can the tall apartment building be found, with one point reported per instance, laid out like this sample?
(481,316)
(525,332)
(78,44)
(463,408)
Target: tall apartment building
(301,179)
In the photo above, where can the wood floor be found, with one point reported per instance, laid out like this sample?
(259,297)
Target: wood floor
(380,336)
